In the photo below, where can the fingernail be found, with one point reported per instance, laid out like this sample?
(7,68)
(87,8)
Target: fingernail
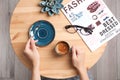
(36,40)
(32,38)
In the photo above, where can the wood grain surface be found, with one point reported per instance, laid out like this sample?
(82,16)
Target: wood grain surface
(25,14)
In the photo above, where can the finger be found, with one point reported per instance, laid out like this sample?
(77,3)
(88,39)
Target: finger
(36,41)
(80,51)
(27,47)
(74,53)
(28,44)
(32,44)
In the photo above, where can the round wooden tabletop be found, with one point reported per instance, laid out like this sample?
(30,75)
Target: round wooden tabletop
(25,14)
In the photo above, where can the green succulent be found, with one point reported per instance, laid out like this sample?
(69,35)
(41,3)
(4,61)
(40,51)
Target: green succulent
(52,7)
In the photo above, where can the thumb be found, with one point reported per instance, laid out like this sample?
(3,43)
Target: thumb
(73,53)
(33,46)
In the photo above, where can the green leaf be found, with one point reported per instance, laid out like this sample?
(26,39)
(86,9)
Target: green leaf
(59,1)
(42,3)
(47,9)
(58,5)
(50,13)
(51,6)
(55,10)
(43,9)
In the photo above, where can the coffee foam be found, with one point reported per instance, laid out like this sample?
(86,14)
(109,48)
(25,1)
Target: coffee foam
(62,48)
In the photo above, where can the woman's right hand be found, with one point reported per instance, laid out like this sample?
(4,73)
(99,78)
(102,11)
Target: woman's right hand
(32,53)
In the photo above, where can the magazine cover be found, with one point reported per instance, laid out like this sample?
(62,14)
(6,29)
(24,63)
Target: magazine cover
(93,21)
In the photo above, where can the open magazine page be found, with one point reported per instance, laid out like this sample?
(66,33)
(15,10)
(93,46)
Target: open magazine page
(94,14)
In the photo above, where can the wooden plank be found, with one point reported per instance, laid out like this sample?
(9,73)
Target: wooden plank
(6,51)
(93,72)
(21,72)
(118,57)
(107,66)
(12,5)
(2,56)
(6,54)
(6,78)
(118,42)
(0,38)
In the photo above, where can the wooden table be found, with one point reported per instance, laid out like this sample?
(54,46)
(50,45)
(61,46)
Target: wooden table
(25,14)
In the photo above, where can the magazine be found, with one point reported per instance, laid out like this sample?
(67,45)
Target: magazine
(93,15)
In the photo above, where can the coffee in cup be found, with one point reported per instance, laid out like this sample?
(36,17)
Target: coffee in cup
(62,48)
